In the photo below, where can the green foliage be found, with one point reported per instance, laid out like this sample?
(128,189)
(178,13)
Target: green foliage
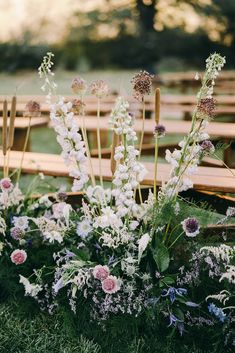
(38,334)
(161,257)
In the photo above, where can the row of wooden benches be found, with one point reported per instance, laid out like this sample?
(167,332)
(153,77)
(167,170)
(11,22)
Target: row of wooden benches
(206,178)
(217,130)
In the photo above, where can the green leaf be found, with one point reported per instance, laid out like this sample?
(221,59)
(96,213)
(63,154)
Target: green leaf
(161,257)
(168,280)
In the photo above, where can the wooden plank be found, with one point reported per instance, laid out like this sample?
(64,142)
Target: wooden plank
(22,123)
(172,99)
(214,129)
(212,179)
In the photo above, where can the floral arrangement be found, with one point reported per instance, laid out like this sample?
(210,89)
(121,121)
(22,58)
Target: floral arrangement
(111,255)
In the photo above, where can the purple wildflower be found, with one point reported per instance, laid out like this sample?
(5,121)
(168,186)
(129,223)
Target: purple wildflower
(191,227)
(207,147)
(159,131)
(16,233)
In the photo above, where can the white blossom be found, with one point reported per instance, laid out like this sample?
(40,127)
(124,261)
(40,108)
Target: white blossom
(31,289)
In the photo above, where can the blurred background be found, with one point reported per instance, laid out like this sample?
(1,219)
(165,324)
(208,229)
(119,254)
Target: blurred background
(112,40)
(158,35)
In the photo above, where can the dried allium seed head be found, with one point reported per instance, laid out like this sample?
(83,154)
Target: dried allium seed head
(207,147)
(142,84)
(78,106)
(99,88)
(79,86)
(62,196)
(207,107)
(32,108)
(159,130)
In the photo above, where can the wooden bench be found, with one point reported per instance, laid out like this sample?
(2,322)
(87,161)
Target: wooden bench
(216,130)
(211,179)
(21,126)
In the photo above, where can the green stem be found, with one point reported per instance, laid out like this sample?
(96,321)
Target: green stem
(155,168)
(142,132)
(98,140)
(24,149)
(175,240)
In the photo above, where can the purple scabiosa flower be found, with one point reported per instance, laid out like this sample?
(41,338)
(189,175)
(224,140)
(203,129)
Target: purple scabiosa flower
(142,84)
(6,184)
(79,86)
(99,88)
(206,107)
(159,131)
(78,106)
(191,227)
(32,108)
(207,147)
(16,233)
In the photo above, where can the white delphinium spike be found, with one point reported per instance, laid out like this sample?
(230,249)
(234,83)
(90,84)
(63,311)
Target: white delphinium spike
(66,127)
(129,172)
(184,161)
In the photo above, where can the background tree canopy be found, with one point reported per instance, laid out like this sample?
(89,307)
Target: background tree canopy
(130,34)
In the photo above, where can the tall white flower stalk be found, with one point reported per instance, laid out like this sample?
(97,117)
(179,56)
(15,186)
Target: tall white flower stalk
(79,87)
(184,161)
(66,127)
(129,171)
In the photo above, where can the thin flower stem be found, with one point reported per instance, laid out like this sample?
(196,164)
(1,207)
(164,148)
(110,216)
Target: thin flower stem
(142,132)
(98,140)
(85,138)
(155,168)
(141,145)
(24,149)
(175,240)
(224,164)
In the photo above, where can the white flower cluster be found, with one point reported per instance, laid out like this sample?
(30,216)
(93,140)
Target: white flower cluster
(45,73)
(129,172)
(113,238)
(51,230)
(10,198)
(229,274)
(185,160)
(121,121)
(31,289)
(214,64)
(65,124)
(73,147)
(223,252)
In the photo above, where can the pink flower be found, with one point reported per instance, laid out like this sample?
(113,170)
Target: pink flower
(101,272)
(111,284)
(18,257)
(6,184)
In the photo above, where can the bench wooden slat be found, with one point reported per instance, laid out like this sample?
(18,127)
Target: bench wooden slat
(23,122)
(214,129)
(213,179)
